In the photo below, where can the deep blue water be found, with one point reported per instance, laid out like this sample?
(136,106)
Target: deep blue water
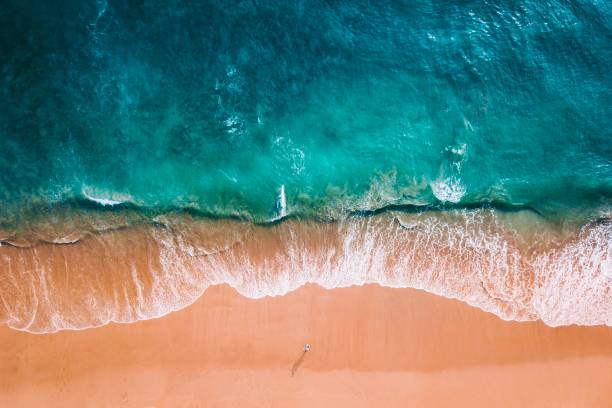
(350,105)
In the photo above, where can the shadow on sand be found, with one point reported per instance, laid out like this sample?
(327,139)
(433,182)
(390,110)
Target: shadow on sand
(297,363)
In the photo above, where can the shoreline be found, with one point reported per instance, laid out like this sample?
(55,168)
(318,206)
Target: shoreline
(369,343)
(511,265)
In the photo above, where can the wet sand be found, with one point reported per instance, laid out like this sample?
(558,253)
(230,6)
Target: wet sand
(511,264)
(371,346)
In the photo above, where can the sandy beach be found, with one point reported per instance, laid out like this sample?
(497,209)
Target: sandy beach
(305,204)
(370,346)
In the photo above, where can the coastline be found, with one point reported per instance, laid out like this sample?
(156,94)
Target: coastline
(514,265)
(369,345)
(305,204)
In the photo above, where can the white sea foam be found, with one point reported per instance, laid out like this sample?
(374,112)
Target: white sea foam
(297,158)
(448,187)
(448,190)
(104,199)
(281,204)
(460,151)
(469,255)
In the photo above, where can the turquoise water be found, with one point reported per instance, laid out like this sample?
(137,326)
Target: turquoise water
(350,106)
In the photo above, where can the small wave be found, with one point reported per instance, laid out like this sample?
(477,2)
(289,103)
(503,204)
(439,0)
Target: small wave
(281,205)
(448,190)
(70,238)
(107,200)
(16,242)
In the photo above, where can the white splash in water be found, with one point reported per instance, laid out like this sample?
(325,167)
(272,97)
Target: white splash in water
(281,204)
(105,199)
(448,190)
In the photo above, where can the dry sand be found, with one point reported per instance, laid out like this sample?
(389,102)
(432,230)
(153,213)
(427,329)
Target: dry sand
(371,346)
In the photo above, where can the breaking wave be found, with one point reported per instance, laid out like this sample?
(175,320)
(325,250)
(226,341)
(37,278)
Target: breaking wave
(514,265)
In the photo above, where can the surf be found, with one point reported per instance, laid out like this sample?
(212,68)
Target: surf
(513,265)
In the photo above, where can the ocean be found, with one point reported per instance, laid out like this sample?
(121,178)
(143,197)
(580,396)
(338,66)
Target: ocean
(150,149)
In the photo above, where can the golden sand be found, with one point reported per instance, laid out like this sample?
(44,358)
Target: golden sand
(371,346)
